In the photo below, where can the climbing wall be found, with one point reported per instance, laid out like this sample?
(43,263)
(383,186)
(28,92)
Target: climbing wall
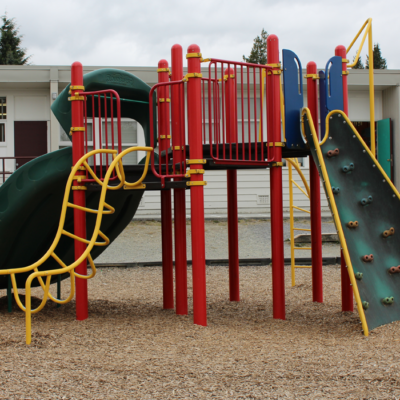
(368,207)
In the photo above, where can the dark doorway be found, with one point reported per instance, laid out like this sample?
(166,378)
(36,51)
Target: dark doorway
(30,139)
(383,142)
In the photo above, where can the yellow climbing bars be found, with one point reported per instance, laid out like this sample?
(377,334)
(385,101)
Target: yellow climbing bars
(293,162)
(103,209)
(368,31)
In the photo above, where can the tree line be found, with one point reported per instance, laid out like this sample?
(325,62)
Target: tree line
(258,54)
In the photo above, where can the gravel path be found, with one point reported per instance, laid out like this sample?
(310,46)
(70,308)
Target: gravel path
(130,348)
(141,241)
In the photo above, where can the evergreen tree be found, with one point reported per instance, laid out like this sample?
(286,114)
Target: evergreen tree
(258,54)
(10,51)
(379,61)
(359,64)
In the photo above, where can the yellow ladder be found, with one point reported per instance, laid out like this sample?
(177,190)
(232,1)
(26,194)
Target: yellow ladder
(294,163)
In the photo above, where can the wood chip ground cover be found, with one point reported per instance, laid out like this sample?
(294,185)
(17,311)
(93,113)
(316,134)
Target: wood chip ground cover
(130,348)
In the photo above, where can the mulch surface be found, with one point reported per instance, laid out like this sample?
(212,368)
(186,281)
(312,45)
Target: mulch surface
(130,348)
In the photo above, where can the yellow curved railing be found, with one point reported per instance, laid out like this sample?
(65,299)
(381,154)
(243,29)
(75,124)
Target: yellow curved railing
(103,209)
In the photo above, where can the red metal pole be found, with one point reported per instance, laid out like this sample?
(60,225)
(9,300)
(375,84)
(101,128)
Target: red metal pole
(196,188)
(78,192)
(274,135)
(179,194)
(347,290)
(166,202)
(231,177)
(315,193)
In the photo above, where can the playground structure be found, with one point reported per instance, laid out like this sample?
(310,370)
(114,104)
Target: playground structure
(211,105)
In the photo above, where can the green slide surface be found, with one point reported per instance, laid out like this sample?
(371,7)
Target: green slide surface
(31,198)
(362,192)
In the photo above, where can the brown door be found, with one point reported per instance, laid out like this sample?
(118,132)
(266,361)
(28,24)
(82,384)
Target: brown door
(30,140)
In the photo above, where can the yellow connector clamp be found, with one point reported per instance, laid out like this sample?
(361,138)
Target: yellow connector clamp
(276,144)
(196,162)
(194,172)
(162,100)
(76,129)
(196,183)
(277,65)
(79,188)
(163,70)
(177,148)
(275,72)
(314,76)
(192,75)
(345,72)
(164,137)
(193,55)
(277,164)
(75,98)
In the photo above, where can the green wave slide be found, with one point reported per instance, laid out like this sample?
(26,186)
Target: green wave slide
(31,198)
(366,209)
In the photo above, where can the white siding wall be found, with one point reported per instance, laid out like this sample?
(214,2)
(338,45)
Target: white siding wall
(251,184)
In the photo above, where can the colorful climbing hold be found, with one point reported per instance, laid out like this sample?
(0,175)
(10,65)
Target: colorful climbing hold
(368,258)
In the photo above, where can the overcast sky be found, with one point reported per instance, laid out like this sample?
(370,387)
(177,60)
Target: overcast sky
(140,33)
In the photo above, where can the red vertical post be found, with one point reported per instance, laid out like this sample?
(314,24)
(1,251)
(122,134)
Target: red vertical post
(347,290)
(231,177)
(179,194)
(78,151)
(196,186)
(315,193)
(274,135)
(166,202)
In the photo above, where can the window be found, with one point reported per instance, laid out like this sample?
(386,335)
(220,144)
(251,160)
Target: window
(3,108)
(2,133)
(3,116)
(128,137)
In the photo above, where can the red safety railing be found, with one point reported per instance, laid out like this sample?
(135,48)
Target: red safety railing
(3,171)
(234,113)
(172,159)
(234,116)
(102,110)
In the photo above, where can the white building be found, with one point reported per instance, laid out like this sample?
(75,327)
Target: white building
(27,125)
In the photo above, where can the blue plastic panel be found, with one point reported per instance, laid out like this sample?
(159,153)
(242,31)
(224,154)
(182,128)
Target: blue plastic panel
(322,102)
(334,84)
(293,94)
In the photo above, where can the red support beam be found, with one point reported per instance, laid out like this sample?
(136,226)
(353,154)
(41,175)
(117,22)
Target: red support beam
(231,175)
(79,194)
(179,194)
(166,202)
(347,290)
(274,135)
(315,193)
(196,188)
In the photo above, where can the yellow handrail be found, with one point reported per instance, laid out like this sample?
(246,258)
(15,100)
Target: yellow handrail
(282,106)
(117,165)
(332,203)
(368,31)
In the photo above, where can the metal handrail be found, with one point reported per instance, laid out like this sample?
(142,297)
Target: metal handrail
(368,31)
(4,172)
